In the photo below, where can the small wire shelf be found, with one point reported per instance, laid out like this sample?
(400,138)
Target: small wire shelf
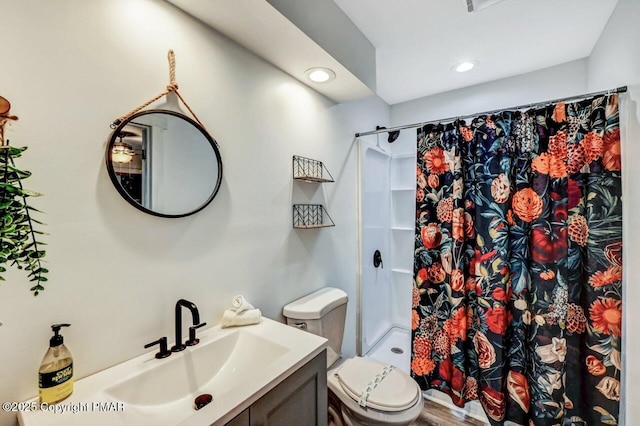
(309,216)
(310,170)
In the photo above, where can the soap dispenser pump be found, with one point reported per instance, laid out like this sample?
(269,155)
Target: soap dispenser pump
(55,377)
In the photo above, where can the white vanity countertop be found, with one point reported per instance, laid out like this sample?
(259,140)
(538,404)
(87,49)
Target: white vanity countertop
(93,404)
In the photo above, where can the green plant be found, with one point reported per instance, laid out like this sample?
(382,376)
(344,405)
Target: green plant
(18,243)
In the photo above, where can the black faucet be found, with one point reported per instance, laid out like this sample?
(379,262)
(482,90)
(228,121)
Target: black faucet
(179,346)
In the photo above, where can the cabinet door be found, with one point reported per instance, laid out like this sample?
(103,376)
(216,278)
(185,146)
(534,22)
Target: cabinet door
(301,399)
(241,419)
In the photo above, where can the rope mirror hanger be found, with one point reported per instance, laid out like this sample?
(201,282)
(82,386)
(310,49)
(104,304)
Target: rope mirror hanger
(171,87)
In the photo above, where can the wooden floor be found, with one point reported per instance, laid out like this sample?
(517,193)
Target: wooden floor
(435,414)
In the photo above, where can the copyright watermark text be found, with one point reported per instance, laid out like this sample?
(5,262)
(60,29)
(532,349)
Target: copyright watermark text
(62,408)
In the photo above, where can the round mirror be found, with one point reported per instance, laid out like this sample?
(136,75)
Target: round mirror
(164,163)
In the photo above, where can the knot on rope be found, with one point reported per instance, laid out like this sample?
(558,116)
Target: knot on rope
(172,87)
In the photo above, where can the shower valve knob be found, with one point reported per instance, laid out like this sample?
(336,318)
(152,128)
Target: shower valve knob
(377,259)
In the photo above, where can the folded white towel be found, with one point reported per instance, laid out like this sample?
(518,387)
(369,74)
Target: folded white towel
(240,304)
(232,318)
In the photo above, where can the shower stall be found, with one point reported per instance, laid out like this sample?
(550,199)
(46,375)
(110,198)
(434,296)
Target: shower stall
(386,204)
(386,209)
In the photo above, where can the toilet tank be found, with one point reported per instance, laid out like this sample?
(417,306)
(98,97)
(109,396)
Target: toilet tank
(323,313)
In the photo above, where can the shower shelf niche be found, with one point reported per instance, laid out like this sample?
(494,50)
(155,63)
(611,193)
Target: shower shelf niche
(309,170)
(403,172)
(402,209)
(310,216)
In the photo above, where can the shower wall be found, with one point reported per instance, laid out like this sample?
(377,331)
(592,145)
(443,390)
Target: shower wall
(403,196)
(387,206)
(375,288)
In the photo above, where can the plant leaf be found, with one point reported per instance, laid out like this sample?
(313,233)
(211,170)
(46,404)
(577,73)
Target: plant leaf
(18,243)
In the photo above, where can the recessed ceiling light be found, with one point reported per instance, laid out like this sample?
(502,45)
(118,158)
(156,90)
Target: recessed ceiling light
(464,66)
(320,75)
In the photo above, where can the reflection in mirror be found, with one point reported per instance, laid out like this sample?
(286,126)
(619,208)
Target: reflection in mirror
(164,163)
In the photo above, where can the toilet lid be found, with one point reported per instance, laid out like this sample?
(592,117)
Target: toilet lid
(377,385)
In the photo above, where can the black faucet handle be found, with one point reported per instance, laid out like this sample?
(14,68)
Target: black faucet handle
(164,352)
(192,334)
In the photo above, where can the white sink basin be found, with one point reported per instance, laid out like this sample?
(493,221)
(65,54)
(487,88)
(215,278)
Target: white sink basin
(214,367)
(235,365)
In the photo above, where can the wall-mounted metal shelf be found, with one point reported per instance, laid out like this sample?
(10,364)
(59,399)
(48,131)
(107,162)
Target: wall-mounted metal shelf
(310,170)
(309,216)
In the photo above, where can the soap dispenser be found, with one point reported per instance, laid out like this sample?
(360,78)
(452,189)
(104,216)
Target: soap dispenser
(55,377)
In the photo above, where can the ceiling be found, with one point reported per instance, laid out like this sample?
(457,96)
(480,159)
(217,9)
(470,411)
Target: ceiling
(417,42)
(264,30)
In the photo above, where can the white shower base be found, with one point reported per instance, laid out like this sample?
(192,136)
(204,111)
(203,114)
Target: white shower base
(400,338)
(396,337)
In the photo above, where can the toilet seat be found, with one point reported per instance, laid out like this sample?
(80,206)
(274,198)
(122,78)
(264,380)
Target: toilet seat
(376,385)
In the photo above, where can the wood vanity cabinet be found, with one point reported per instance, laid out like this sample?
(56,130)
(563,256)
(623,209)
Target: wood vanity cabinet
(241,419)
(301,399)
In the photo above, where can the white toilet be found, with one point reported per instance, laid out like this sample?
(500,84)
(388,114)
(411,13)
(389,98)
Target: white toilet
(367,392)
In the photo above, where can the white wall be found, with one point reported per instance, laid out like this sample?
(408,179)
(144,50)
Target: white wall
(71,67)
(564,80)
(615,61)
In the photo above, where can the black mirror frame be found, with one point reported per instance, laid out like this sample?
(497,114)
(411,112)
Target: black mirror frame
(126,196)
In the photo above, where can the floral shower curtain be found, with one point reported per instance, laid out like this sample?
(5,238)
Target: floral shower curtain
(517,297)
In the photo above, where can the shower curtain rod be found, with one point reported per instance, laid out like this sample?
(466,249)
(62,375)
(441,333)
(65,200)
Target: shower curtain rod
(621,89)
